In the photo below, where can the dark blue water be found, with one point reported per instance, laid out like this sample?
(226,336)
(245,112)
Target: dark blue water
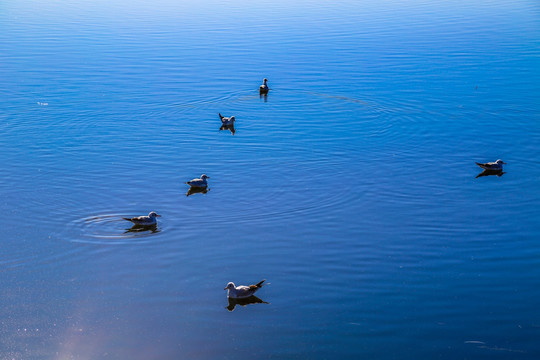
(351,187)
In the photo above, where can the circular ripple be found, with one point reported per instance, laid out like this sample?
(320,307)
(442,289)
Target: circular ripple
(109,229)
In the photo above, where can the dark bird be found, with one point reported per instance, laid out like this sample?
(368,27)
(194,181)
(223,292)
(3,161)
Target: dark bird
(227,120)
(263,89)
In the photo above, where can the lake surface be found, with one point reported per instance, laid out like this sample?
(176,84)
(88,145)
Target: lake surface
(351,187)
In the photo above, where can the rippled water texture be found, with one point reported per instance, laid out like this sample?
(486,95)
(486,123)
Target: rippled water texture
(351,187)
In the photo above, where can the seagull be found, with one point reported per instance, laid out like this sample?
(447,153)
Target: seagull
(242,291)
(227,120)
(199,182)
(148,220)
(263,89)
(497,165)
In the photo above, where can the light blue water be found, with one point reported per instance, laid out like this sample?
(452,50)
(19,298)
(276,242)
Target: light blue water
(351,187)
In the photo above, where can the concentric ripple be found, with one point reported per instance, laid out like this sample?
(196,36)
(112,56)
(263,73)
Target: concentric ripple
(109,229)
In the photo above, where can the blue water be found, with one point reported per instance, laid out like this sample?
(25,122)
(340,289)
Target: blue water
(351,187)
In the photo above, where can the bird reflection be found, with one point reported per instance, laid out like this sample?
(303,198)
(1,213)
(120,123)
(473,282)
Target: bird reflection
(194,190)
(228,127)
(141,228)
(499,173)
(243,302)
(263,96)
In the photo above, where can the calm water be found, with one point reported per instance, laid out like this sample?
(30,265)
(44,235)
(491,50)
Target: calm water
(351,188)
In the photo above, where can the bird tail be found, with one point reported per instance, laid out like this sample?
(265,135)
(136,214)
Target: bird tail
(259,284)
(128,219)
(220,116)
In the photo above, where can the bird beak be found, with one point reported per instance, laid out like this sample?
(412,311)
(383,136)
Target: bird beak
(225,289)
(158,215)
(504,162)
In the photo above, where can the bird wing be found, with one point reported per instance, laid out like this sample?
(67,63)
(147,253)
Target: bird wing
(485,165)
(244,291)
(138,219)
(257,285)
(195,182)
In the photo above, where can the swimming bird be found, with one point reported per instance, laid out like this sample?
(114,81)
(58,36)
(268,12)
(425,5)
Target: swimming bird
(242,291)
(263,89)
(148,220)
(496,165)
(199,182)
(227,120)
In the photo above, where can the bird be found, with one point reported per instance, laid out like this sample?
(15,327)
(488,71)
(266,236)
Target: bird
(147,220)
(242,291)
(227,120)
(263,89)
(496,165)
(199,182)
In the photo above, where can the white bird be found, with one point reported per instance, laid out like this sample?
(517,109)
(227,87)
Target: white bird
(242,291)
(496,165)
(199,182)
(148,220)
(264,87)
(227,120)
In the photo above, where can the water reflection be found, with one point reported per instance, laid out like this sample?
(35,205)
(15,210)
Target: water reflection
(243,302)
(194,190)
(142,228)
(228,127)
(499,173)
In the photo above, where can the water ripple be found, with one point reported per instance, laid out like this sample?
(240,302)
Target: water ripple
(108,229)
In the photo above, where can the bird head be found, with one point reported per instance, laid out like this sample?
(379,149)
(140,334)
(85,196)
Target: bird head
(153,214)
(229,286)
(500,162)
(204,177)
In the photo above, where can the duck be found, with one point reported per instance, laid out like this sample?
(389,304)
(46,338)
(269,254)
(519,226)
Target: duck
(199,182)
(145,220)
(495,165)
(227,120)
(263,89)
(242,291)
